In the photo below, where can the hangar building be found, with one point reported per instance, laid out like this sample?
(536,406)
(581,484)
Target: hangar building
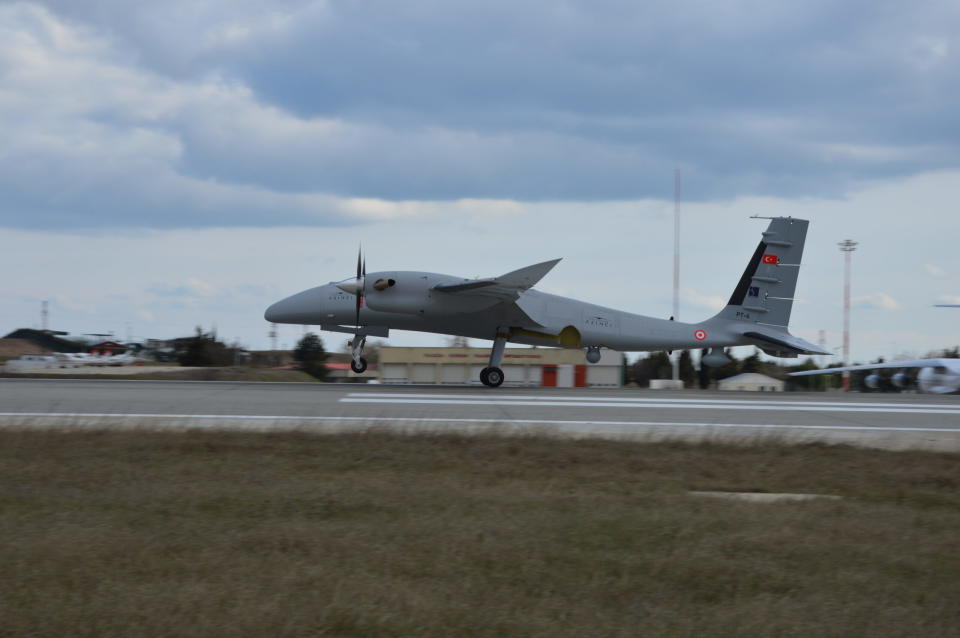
(751,382)
(521,366)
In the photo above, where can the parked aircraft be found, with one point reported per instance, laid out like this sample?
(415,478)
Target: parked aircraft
(508,309)
(936,376)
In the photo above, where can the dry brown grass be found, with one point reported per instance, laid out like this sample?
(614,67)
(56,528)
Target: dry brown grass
(247,534)
(173,373)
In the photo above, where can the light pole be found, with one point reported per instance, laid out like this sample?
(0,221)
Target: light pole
(847,246)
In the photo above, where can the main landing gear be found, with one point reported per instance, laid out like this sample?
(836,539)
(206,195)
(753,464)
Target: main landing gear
(358,364)
(492,375)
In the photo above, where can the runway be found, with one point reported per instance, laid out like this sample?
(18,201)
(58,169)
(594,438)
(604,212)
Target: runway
(874,420)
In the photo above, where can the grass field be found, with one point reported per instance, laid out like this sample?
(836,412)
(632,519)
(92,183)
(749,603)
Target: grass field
(143,533)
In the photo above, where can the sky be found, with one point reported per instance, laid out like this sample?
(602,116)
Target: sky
(169,165)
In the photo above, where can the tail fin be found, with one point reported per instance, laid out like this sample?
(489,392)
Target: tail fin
(759,308)
(765,292)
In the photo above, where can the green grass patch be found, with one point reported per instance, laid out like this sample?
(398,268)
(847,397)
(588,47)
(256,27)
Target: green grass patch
(119,533)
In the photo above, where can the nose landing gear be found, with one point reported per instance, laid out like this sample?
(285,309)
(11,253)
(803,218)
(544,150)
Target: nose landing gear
(358,364)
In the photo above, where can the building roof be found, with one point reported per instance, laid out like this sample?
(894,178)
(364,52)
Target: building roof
(750,377)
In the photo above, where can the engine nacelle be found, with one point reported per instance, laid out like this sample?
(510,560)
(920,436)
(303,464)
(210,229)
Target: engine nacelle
(873,381)
(901,380)
(411,299)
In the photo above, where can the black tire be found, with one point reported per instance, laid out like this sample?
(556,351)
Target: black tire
(493,378)
(360,367)
(483,376)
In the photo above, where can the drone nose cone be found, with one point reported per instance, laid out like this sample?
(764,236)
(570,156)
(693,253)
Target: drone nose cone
(275,313)
(303,307)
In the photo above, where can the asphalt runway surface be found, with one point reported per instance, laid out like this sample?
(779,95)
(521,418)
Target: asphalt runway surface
(893,421)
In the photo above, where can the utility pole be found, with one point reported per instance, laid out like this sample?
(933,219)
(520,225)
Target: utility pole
(847,246)
(676,263)
(822,342)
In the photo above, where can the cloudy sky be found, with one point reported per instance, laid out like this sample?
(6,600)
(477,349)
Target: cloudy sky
(167,165)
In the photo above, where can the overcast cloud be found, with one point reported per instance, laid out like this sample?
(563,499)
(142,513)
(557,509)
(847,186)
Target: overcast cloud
(169,164)
(186,114)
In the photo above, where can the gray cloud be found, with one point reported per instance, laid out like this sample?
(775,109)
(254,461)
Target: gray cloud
(260,113)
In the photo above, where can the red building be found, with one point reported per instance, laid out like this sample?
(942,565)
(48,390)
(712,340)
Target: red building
(108,347)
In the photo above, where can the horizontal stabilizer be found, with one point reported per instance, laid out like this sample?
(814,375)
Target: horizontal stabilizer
(784,341)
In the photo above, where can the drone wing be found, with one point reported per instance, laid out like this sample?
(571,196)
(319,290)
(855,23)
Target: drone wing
(507,287)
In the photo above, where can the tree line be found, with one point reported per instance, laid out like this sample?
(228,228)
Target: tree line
(657,365)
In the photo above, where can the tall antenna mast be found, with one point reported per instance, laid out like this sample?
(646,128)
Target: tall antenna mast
(676,261)
(847,246)
(44,315)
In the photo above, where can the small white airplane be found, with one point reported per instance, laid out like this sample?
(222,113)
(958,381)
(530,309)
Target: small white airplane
(508,309)
(90,359)
(935,376)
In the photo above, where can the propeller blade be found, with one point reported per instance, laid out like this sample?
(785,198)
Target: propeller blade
(361,267)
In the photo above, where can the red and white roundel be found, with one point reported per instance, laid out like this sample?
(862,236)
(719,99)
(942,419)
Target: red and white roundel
(700,335)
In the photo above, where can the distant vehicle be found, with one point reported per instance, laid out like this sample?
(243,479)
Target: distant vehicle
(507,309)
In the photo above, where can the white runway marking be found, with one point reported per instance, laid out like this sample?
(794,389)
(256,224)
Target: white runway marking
(541,398)
(676,404)
(454,420)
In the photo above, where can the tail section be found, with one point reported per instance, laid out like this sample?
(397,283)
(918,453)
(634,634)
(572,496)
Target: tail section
(761,303)
(765,291)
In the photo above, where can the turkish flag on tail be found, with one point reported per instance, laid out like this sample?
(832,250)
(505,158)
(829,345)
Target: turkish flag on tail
(771,259)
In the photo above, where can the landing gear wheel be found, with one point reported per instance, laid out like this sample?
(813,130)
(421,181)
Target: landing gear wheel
(359,366)
(492,377)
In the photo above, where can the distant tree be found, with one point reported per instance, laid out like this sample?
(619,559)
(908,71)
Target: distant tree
(751,364)
(311,356)
(688,374)
(726,370)
(203,349)
(656,365)
(812,382)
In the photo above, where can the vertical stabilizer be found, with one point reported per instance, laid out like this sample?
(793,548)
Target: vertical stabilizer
(765,292)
